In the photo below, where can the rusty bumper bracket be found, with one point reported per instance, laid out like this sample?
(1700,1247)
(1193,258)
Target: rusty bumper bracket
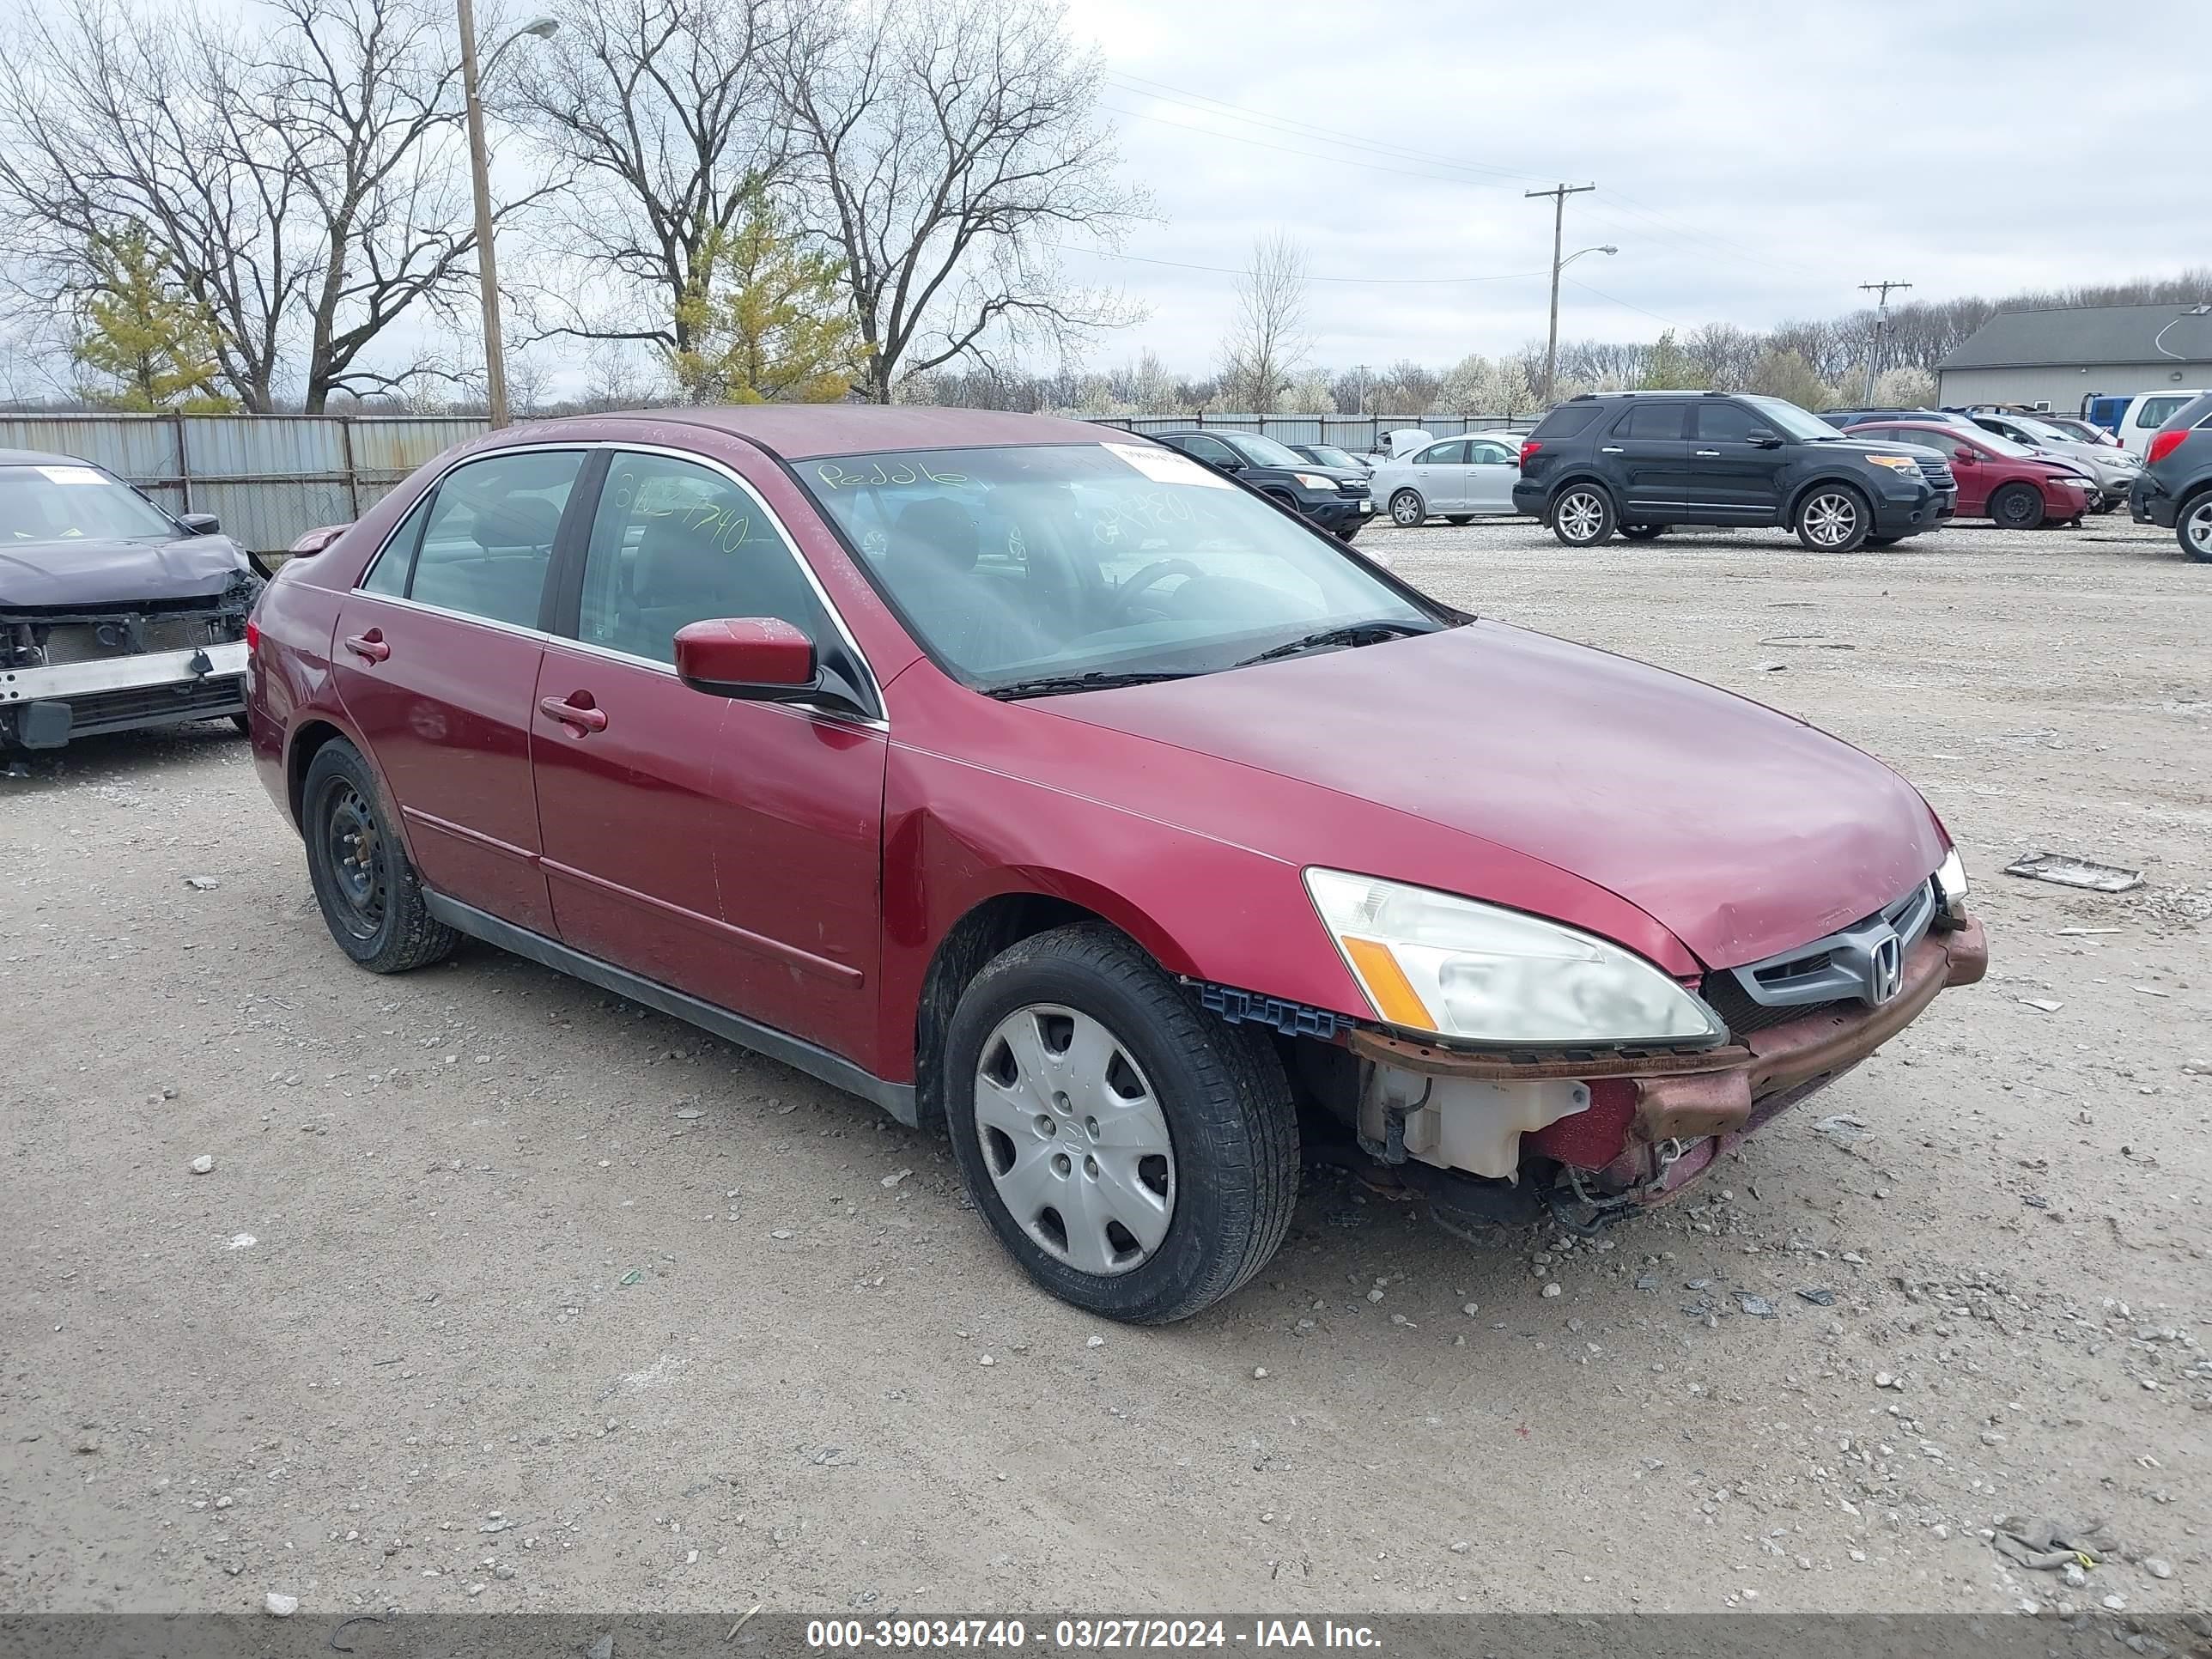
(1684,1094)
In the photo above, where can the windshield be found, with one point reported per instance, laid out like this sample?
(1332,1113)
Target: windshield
(1330,455)
(1791,420)
(2043,431)
(1999,445)
(1264,451)
(1013,565)
(68,503)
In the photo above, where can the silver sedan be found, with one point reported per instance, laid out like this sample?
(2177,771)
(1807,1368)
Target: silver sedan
(1456,479)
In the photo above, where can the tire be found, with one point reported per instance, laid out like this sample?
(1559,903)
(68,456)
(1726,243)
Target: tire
(1583,515)
(1408,509)
(1644,532)
(371,901)
(1349,534)
(1882,541)
(1459,518)
(1834,518)
(2192,527)
(2016,507)
(1198,1216)
(243,723)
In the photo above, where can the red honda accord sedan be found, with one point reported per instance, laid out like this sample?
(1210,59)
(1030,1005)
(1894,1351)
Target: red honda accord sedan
(1022,776)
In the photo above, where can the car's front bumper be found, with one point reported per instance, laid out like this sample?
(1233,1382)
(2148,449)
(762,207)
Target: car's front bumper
(44,708)
(1339,513)
(2150,504)
(1910,512)
(1658,1118)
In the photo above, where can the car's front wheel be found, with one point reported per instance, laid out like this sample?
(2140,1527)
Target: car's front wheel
(2193,529)
(1834,519)
(1581,515)
(367,888)
(1408,509)
(2016,507)
(1137,1155)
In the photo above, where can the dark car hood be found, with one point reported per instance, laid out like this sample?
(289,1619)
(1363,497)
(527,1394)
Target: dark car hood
(1743,830)
(45,574)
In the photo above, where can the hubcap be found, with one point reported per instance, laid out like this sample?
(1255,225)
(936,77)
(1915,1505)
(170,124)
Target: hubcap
(2198,528)
(1580,515)
(355,854)
(1407,509)
(1074,1139)
(1830,520)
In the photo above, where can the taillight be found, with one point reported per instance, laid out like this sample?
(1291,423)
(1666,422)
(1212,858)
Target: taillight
(1529,446)
(252,636)
(2163,444)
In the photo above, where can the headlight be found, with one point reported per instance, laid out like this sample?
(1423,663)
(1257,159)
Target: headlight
(1951,886)
(1314,480)
(2074,481)
(1896,462)
(1436,963)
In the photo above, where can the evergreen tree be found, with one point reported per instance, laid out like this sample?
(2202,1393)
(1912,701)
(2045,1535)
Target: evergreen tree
(148,349)
(767,319)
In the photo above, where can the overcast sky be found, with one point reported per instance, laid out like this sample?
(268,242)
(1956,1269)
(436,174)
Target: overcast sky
(1755,159)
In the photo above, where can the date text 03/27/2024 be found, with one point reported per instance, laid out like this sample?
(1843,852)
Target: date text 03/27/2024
(1084,1635)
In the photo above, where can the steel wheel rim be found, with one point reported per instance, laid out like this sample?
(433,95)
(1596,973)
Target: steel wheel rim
(355,852)
(1074,1140)
(1407,509)
(1830,519)
(2016,512)
(2197,526)
(1580,515)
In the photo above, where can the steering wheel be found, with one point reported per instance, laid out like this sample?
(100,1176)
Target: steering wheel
(1126,595)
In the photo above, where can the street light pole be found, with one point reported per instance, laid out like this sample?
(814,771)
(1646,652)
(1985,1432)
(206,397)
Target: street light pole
(480,182)
(1559,193)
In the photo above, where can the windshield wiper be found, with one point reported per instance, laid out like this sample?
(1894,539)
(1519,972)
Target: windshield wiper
(1054,684)
(1366,632)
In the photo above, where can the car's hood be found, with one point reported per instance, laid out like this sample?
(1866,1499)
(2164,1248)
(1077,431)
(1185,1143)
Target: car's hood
(1741,830)
(45,574)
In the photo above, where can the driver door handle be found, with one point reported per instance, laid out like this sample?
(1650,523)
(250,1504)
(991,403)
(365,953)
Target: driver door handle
(369,647)
(1709,454)
(1609,449)
(568,714)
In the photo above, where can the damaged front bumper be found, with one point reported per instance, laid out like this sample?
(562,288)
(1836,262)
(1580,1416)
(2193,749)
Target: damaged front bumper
(1645,1124)
(67,674)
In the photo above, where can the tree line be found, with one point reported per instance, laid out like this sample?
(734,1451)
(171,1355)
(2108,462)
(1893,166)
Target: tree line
(738,199)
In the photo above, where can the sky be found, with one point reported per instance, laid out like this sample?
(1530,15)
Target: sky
(1755,162)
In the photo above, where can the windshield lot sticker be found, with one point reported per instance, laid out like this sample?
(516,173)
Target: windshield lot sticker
(1165,465)
(834,477)
(71,475)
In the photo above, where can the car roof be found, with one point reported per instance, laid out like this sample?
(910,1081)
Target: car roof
(39,457)
(802,432)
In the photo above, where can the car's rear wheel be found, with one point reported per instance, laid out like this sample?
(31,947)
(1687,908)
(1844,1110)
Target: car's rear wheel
(1138,1156)
(1407,509)
(1644,532)
(1834,519)
(1581,515)
(1883,541)
(2193,529)
(368,892)
(2016,507)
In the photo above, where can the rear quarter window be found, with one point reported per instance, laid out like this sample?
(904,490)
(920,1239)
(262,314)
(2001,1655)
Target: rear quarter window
(1566,420)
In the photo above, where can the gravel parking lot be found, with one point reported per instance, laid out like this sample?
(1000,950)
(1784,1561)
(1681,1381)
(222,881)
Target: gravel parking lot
(501,1293)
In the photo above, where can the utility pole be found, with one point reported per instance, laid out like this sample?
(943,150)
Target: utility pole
(1559,193)
(1880,322)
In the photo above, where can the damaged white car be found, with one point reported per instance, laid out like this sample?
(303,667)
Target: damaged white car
(114,615)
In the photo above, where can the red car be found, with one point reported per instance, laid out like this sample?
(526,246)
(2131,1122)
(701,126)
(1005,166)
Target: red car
(1020,775)
(2009,483)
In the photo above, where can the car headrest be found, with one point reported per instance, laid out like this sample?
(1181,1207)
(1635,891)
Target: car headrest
(516,521)
(682,560)
(936,538)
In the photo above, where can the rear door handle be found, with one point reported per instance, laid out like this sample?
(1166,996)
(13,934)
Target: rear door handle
(1709,454)
(1609,449)
(568,714)
(369,646)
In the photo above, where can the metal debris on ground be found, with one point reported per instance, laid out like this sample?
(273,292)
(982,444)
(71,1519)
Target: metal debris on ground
(1757,1306)
(1819,1298)
(2071,872)
(635,1276)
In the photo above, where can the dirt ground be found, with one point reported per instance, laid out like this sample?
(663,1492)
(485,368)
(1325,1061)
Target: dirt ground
(504,1294)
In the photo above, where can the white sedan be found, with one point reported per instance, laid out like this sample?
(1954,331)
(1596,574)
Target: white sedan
(1456,478)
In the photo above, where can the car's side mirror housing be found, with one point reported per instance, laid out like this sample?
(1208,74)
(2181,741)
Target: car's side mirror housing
(201,523)
(1759,438)
(759,659)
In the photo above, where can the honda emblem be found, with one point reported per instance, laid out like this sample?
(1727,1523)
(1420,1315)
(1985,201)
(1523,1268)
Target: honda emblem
(1886,969)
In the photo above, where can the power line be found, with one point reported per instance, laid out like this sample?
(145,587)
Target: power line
(1235,270)
(1611,299)
(1310,154)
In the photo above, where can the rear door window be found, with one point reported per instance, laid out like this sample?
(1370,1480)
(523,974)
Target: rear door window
(1210,450)
(488,540)
(1444,454)
(1650,421)
(2156,412)
(396,563)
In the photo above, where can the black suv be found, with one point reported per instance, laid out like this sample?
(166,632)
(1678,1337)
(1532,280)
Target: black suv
(1638,462)
(1336,498)
(2174,489)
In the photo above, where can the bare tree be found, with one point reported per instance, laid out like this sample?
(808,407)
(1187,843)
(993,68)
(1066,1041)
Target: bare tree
(665,118)
(301,181)
(942,149)
(1271,338)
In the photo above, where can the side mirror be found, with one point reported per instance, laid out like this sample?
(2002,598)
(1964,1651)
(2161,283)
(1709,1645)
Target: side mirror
(314,541)
(759,659)
(1759,438)
(201,523)
(1963,456)
(1231,464)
